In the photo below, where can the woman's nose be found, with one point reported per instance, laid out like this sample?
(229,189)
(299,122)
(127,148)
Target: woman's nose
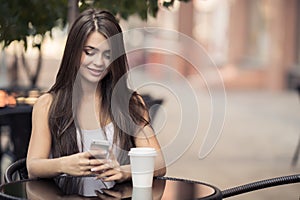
(98,60)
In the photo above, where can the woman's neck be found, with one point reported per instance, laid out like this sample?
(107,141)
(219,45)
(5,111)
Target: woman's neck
(89,90)
(89,106)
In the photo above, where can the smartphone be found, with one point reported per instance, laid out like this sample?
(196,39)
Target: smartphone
(100,149)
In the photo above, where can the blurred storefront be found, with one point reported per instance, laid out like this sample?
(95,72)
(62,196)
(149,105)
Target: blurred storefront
(263,44)
(254,43)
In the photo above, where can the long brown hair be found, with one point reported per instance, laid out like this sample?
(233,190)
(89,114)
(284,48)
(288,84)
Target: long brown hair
(61,117)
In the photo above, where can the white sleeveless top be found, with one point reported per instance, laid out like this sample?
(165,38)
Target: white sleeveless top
(87,136)
(97,134)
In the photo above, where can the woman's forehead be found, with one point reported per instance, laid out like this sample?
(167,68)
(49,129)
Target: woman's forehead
(97,40)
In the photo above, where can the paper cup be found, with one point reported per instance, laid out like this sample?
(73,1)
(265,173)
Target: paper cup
(142,166)
(141,193)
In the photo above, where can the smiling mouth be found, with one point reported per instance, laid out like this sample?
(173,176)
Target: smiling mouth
(95,72)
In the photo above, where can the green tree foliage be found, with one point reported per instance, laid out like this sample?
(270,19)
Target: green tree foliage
(22,18)
(125,8)
(19,19)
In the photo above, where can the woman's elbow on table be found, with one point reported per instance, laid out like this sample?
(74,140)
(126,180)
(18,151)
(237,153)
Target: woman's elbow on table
(160,172)
(30,169)
(42,168)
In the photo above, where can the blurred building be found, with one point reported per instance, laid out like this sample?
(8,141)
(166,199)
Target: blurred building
(254,43)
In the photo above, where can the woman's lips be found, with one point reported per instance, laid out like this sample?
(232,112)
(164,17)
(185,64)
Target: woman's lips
(95,72)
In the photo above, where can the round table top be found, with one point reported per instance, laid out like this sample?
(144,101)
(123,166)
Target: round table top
(89,188)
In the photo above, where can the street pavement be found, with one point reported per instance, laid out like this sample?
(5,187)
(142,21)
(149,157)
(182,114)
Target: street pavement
(260,134)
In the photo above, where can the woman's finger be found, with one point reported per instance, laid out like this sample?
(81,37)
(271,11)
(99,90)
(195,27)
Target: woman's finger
(112,163)
(109,173)
(96,162)
(86,173)
(100,168)
(104,165)
(115,177)
(86,154)
(85,162)
(86,168)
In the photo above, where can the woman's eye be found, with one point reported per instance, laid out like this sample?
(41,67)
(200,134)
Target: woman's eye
(106,55)
(89,52)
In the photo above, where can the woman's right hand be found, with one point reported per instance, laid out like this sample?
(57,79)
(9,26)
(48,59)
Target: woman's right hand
(76,164)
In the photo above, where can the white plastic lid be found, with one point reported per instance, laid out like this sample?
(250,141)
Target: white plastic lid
(142,151)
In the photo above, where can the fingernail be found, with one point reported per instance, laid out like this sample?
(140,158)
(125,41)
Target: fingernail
(93,169)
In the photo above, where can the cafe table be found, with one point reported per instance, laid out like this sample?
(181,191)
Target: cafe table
(68,187)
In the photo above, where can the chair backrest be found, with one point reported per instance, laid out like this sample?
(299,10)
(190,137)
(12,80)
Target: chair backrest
(150,101)
(16,171)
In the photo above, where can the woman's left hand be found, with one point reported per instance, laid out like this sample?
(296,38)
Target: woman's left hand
(107,169)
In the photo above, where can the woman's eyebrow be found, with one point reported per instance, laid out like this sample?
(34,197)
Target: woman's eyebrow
(95,48)
(90,47)
(107,51)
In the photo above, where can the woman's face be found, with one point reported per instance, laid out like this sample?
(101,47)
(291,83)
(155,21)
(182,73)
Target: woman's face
(95,58)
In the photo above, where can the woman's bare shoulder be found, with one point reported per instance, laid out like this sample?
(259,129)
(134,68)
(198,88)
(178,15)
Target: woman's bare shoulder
(43,102)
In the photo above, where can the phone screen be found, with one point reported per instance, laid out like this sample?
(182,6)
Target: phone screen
(100,149)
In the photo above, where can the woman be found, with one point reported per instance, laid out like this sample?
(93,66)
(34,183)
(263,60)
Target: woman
(90,100)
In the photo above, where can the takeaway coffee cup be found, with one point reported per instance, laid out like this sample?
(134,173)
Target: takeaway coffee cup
(141,193)
(142,166)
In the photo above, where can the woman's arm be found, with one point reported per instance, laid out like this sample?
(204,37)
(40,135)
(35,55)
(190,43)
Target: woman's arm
(38,162)
(147,138)
(39,148)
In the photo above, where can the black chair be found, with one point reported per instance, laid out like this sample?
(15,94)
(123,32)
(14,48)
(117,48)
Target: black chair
(267,183)
(16,171)
(18,119)
(150,101)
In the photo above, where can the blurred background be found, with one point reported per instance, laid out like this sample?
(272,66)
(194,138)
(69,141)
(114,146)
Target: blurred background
(252,45)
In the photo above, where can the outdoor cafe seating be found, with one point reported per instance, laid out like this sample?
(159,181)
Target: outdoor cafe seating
(17,115)
(17,182)
(15,121)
